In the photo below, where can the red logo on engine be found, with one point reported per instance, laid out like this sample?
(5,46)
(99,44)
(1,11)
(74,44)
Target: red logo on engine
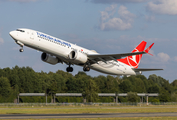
(134,60)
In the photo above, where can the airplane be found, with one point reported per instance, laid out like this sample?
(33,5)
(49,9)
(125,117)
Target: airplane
(55,51)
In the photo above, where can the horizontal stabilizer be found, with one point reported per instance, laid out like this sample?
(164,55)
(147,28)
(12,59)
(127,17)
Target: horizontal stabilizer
(144,69)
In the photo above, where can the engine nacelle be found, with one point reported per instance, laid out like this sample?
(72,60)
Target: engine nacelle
(77,57)
(49,59)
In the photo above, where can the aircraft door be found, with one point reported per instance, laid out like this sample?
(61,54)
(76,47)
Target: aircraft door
(32,35)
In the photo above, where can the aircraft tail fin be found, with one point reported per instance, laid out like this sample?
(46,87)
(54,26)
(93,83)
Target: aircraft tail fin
(134,60)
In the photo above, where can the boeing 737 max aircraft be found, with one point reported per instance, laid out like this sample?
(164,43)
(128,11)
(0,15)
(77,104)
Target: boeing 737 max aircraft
(59,51)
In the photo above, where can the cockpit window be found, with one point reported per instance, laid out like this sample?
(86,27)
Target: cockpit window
(20,30)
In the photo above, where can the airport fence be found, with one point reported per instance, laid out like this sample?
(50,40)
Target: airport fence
(90,104)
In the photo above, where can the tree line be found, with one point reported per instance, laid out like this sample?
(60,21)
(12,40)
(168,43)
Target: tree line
(25,80)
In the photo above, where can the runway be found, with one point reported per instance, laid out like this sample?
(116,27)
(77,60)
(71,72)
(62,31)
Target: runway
(89,115)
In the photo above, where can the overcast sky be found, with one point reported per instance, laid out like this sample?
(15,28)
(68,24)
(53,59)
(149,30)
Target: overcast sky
(107,26)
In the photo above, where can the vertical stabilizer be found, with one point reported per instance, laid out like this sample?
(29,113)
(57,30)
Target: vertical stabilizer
(133,61)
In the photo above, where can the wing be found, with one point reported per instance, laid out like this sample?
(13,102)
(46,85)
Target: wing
(144,69)
(97,57)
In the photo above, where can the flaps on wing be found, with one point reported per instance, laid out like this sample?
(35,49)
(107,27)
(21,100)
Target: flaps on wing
(97,57)
(144,69)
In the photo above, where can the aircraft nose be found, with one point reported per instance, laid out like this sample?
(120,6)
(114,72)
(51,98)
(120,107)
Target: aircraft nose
(11,33)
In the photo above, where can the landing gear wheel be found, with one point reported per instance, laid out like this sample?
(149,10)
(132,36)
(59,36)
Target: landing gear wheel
(86,67)
(21,50)
(69,69)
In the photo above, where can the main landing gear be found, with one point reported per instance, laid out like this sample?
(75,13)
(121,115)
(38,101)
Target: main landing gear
(86,67)
(69,69)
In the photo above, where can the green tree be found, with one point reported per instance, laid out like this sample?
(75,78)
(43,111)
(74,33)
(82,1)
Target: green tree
(5,88)
(164,97)
(138,85)
(111,85)
(155,100)
(174,83)
(101,83)
(132,97)
(154,89)
(174,97)
(125,86)
(77,84)
(91,91)
(157,79)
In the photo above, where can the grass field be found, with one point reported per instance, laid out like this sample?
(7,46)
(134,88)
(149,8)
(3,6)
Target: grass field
(91,109)
(137,118)
(85,109)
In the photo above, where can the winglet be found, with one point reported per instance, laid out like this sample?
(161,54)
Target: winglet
(147,50)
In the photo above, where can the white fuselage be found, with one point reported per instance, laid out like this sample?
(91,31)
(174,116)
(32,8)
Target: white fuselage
(61,49)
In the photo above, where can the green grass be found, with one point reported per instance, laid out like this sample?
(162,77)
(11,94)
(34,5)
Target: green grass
(136,118)
(84,109)
(91,109)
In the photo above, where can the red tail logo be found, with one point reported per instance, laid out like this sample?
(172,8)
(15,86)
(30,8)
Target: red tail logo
(134,60)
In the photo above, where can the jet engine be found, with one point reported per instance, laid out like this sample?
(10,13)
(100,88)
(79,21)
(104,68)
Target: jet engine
(79,58)
(49,58)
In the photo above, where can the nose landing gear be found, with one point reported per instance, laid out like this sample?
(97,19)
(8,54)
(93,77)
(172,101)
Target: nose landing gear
(21,50)
(21,45)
